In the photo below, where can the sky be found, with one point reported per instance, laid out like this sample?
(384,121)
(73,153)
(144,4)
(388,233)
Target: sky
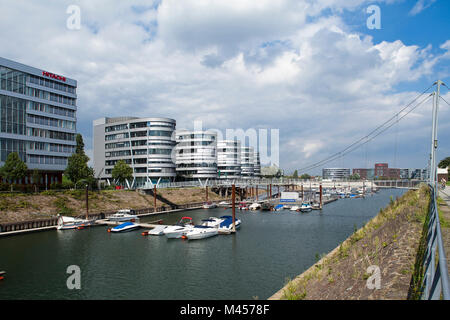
(313,70)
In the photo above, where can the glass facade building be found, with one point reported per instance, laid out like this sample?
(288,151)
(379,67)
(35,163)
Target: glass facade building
(37,118)
(146,144)
(196,155)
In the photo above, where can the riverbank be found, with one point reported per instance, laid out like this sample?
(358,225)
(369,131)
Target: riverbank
(17,207)
(390,242)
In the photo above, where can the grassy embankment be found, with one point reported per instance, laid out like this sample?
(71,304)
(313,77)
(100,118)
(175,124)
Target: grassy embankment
(22,206)
(393,240)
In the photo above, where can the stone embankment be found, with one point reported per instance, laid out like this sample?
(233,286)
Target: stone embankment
(389,245)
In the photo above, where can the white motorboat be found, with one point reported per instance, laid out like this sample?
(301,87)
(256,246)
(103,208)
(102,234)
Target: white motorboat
(201,232)
(226,226)
(212,222)
(180,229)
(124,227)
(255,206)
(305,207)
(295,208)
(66,223)
(157,231)
(224,204)
(124,215)
(209,205)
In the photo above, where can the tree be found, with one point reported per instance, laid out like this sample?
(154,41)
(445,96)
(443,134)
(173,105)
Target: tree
(36,176)
(77,165)
(295,174)
(355,176)
(444,163)
(14,168)
(122,172)
(305,176)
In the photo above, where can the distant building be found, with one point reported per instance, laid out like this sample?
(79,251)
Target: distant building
(364,173)
(335,173)
(381,170)
(257,166)
(271,171)
(247,162)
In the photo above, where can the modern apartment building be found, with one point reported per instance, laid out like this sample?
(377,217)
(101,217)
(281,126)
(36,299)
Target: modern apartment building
(229,159)
(146,144)
(257,166)
(37,119)
(196,155)
(247,162)
(335,173)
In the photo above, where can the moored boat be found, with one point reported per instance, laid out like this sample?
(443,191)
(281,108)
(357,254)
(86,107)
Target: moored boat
(226,226)
(295,208)
(255,206)
(180,229)
(212,222)
(67,223)
(305,207)
(201,232)
(125,227)
(209,205)
(124,215)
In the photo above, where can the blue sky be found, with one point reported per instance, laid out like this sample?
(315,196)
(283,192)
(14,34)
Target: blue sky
(311,69)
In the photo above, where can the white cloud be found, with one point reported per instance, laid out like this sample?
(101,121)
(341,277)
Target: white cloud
(233,64)
(420,6)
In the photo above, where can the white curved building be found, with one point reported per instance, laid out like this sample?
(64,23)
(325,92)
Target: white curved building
(196,154)
(229,159)
(257,166)
(247,162)
(146,144)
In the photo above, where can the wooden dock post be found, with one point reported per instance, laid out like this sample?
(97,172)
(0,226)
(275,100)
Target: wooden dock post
(154,197)
(206,193)
(270,191)
(233,206)
(321,203)
(256,192)
(87,202)
(302,193)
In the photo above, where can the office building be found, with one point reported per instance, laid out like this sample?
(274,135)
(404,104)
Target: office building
(229,159)
(146,144)
(37,119)
(196,155)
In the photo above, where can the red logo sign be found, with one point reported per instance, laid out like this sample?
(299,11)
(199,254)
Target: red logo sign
(53,76)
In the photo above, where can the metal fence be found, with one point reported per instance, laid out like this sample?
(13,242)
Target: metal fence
(436,279)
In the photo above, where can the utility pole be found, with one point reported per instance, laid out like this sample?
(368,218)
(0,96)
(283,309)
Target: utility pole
(436,96)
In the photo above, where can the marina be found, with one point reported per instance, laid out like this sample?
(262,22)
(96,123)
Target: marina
(254,262)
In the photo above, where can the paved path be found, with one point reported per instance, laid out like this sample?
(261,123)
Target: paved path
(445,209)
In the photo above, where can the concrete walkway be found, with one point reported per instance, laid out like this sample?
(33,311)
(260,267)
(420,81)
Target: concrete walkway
(445,209)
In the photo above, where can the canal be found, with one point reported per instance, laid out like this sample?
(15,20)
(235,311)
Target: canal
(254,263)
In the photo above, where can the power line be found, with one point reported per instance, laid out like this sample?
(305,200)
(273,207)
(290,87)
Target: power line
(444,100)
(358,143)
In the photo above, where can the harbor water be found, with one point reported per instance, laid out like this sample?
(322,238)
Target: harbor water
(254,263)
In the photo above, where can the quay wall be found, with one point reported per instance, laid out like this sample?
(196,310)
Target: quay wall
(388,245)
